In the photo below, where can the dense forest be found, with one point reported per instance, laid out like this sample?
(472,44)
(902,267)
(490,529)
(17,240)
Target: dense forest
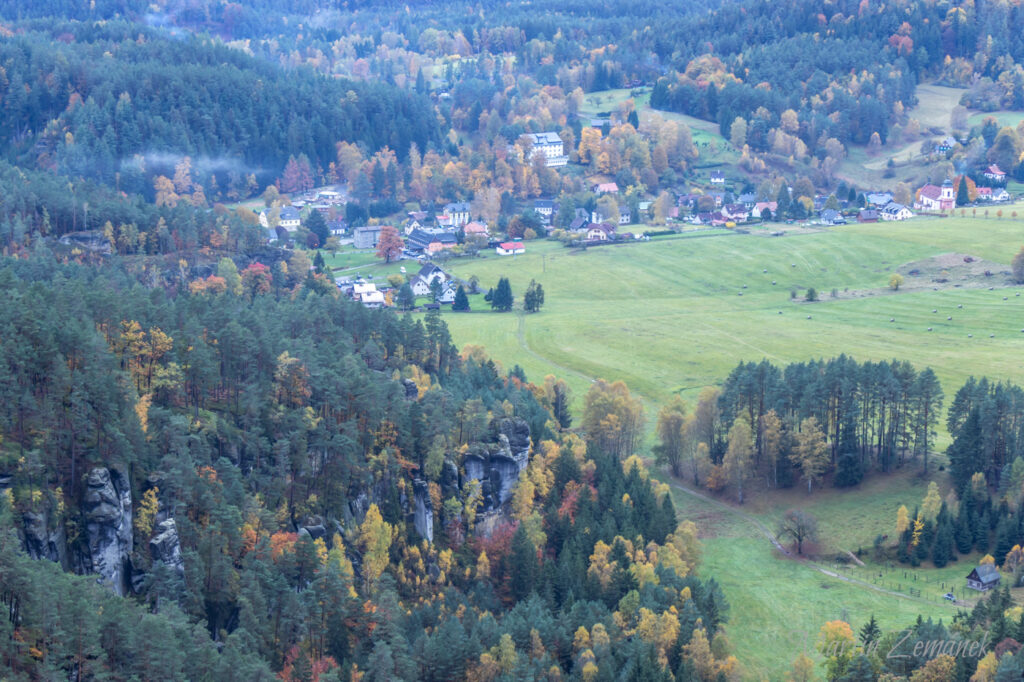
(277,473)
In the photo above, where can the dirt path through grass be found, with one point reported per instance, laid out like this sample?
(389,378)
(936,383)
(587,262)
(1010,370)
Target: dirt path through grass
(763,529)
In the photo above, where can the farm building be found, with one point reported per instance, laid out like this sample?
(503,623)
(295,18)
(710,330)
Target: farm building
(983,578)
(510,248)
(894,211)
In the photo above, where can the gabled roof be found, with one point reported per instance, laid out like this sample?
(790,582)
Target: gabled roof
(931,191)
(893,207)
(994,170)
(986,573)
(607,228)
(289,213)
(429,269)
(456,207)
(512,246)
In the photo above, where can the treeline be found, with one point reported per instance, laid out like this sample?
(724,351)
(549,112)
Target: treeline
(38,205)
(120,103)
(982,643)
(302,446)
(806,419)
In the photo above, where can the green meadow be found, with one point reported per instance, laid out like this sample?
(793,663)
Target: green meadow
(678,313)
(674,315)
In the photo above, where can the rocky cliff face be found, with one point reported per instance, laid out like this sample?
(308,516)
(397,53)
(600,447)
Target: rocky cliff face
(497,464)
(108,511)
(41,542)
(166,548)
(423,510)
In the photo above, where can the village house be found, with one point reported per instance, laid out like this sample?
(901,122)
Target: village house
(761,206)
(475,227)
(447,294)
(510,248)
(548,145)
(994,174)
(934,198)
(606,188)
(830,216)
(736,212)
(422,282)
(867,215)
(288,218)
(717,178)
(748,200)
(544,207)
(367,294)
(878,199)
(625,216)
(983,578)
(457,213)
(600,232)
(894,211)
(366,237)
(945,144)
(424,240)
(1000,195)
(330,196)
(984,194)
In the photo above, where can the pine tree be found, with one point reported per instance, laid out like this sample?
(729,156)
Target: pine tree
(942,549)
(962,530)
(870,632)
(962,198)
(461,303)
(501,299)
(522,564)
(964,452)
(849,471)
(534,297)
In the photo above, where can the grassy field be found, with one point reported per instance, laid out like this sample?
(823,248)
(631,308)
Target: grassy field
(676,314)
(778,605)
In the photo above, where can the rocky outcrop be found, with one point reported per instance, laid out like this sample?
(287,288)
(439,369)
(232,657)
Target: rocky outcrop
(423,510)
(411,391)
(497,465)
(165,547)
(108,512)
(41,542)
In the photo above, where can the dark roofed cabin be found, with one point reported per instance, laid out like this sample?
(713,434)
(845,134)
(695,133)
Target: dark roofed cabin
(983,578)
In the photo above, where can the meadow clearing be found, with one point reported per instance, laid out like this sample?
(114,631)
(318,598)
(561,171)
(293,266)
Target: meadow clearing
(678,313)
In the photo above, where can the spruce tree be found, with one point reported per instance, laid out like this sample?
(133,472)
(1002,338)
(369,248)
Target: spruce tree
(502,299)
(962,531)
(461,302)
(522,564)
(962,198)
(963,453)
(942,549)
